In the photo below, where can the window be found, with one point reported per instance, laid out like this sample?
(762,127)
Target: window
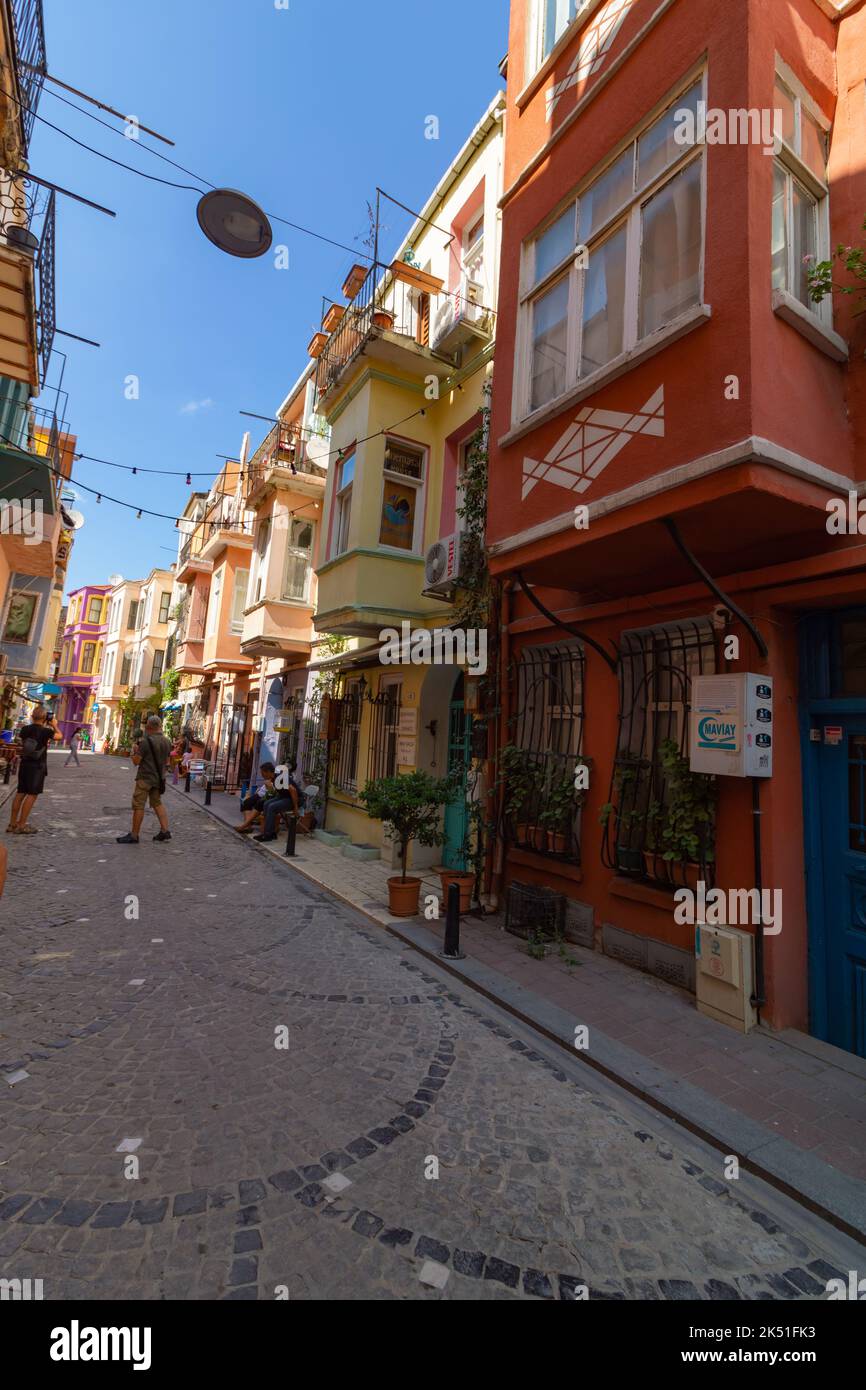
(543,812)
(239,600)
(800,222)
(343,509)
(550,19)
(348,738)
(641,222)
(657,666)
(132,620)
(383,734)
(473,255)
(164,606)
(87,659)
(100,650)
(213,606)
(402,486)
(94,610)
(299,560)
(21,617)
(260,559)
(126,668)
(156,669)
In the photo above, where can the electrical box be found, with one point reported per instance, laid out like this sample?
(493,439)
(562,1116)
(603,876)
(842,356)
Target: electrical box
(725,975)
(260,723)
(731,733)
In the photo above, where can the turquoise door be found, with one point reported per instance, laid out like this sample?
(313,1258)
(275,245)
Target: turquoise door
(459,758)
(842,785)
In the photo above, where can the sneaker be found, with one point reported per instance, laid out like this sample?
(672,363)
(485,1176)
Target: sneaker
(163,836)
(127,839)
(265,839)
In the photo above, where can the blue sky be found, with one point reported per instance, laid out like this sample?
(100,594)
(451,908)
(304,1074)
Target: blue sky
(307,110)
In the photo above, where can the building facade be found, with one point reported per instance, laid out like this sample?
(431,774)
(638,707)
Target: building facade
(674,414)
(81,658)
(118,663)
(403,369)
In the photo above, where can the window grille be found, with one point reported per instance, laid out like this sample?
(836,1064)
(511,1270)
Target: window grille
(543,808)
(345,746)
(656,669)
(382,761)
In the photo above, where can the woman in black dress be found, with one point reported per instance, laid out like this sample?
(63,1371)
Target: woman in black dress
(32,771)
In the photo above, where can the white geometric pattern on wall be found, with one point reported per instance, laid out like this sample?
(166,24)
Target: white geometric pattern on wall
(591,443)
(592,51)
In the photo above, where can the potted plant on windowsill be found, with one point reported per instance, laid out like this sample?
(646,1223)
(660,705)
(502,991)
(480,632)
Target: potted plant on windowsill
(515,774)
(410,807)
(562,801)
(627,860)
(654,862)
(689,818)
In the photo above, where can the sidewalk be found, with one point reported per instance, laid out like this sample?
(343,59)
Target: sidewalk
(792,1108)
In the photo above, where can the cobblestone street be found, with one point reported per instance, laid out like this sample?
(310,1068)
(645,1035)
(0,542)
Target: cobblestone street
(143,990)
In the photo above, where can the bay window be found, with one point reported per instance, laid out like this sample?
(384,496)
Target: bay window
(343,506)
(299,560)
(402,490)
(800,220)
(621,262)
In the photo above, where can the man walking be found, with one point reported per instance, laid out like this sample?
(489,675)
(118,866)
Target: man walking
(150,755)
(73,749)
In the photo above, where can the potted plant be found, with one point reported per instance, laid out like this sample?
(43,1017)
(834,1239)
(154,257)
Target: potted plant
(655,864)
(354,280)
(688,825)
(318,343)
(515,773)
(331,321)
(625,778)
(410,807)
(416,277)
(562,800)
(383,318)
(465,881)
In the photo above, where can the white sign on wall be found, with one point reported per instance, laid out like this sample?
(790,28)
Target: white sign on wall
(731,729)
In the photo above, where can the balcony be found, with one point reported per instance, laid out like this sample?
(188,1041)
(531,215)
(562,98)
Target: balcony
(189,561)
(30,59)
(278,628)
(27,280)
(222,527)
(190,640)
(282,460)
(391,318)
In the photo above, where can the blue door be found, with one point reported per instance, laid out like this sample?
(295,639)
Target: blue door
(457,814)
(842,789)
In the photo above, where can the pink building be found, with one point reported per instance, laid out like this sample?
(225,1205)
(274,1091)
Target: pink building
(81,657)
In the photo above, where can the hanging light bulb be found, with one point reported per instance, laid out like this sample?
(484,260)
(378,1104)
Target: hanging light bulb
(189,480)
(99,496)
(138,516)
(134,471)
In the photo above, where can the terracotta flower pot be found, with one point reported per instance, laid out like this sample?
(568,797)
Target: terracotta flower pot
(464,881)
(521,833)
(686,875)
(383,318)
(354,280)
(417,278)
(656,867)
(403,896)
(556,842)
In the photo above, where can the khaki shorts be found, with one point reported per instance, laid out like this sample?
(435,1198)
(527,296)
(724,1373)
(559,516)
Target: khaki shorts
(142,794)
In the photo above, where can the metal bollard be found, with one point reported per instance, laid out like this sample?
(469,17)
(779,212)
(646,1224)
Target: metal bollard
(207,791)
(451,949)
(291,837)
(188,782)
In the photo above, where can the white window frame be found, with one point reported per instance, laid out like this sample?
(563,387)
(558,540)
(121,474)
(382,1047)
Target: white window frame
(796,171)
(628,215)
(418,484)
(240,587)
(535,54)
(294,551)
(214,604)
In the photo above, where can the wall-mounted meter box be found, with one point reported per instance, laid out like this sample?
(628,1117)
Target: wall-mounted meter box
(731,732)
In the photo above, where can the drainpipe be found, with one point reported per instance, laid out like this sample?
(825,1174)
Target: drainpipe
(496,865)
(759,997)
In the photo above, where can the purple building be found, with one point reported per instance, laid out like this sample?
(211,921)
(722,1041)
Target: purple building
(81,657)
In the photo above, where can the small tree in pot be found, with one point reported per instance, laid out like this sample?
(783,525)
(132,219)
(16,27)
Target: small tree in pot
(410,807)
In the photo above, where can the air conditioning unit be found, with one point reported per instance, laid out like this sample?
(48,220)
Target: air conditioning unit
(442,565)
(461,319)
(259,723)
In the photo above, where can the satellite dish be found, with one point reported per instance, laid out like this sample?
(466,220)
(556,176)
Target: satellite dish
(318,449)
(234,223)
(115,579)
(73,519)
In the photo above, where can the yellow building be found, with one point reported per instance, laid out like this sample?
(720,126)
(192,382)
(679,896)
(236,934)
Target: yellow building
(402,374)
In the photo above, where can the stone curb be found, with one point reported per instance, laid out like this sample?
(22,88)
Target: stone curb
(831,1195)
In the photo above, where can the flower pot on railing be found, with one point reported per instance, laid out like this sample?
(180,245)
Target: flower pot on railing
(403,896)
(318,343)
(465,882)
(331,321)
(354,280)
(383,318)
(417,278)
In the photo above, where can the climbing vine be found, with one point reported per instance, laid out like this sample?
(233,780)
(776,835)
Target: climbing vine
(474,591)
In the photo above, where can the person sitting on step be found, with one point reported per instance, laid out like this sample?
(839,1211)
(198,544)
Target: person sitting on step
(254,805)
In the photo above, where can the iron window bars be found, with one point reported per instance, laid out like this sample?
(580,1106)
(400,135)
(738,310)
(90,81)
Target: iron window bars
(542,810)
(656,668)
(382,761)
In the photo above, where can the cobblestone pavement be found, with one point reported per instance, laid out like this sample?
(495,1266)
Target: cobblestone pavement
(142,994)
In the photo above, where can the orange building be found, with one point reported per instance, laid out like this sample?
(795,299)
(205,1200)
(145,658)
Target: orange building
(673,416)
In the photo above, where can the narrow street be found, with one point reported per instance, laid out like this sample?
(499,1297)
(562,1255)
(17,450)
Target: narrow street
(143,998)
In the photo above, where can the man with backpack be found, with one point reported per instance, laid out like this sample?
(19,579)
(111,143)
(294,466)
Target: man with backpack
(32,770)
(150,755)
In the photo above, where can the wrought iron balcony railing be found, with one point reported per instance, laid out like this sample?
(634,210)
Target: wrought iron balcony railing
(284,447)
(30,59)
(28,225)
